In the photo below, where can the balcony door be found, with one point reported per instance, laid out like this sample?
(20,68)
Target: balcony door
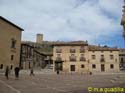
(102,67)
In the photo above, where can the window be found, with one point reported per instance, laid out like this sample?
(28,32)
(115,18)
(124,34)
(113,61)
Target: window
(1,66)
(72,57)
(72,67)
(58,50)
(12,57)
(93,57)
(110,51)
(82,49)
(82,58)
(102,58)
(111,66)
(93,66)
(13,43)
(121,59)
(58,57)
(111,57)
(72,50)
(82,66)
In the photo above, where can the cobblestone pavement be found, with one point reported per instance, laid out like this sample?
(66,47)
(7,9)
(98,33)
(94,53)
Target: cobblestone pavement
(63,83)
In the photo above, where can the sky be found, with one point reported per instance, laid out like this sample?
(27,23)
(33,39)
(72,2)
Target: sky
(97,21)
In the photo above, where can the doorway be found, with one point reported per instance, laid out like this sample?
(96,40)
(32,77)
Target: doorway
(72,67)
(102,67)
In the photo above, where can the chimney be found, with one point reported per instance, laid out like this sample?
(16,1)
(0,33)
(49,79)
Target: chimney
(39,38)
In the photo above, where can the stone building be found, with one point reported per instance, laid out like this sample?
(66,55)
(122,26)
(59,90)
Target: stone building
(81,57)
(10,42)
(36,54)
(103,59)
(122,59)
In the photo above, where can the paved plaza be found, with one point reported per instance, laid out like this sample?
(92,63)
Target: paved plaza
(63,83)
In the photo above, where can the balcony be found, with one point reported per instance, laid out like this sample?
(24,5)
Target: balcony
(102,60)
(82,50)
(72,50)
(58,51)
(73,59)
(58,59)
(82,59)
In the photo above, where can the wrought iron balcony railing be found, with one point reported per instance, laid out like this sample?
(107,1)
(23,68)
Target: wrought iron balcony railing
(82,59)
(102,60)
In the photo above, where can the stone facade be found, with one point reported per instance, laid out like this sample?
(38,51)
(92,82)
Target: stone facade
(82,58)
(35,55)
(122,59)
(10,42)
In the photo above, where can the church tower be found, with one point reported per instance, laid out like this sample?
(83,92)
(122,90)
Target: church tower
(123,20)
(39,38)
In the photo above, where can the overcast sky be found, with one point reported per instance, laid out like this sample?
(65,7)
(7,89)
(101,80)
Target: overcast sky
(97,21)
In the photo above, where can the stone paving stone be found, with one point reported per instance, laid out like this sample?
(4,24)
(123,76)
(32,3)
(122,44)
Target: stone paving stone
(52,83)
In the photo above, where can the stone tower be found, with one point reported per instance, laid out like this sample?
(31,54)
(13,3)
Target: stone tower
(39,38)
(123,20)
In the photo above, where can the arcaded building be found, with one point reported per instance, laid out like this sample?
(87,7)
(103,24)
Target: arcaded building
(81,57)
(10,43)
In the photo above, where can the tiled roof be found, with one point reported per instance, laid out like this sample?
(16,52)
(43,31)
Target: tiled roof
(72,43)
(102,48)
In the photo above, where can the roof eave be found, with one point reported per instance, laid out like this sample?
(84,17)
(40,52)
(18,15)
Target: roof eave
(11,23)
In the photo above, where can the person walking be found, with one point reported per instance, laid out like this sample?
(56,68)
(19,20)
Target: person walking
(7,73)
(17,69)
(32,72)
(57,72)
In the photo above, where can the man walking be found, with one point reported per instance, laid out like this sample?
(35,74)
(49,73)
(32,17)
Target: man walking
(17,69)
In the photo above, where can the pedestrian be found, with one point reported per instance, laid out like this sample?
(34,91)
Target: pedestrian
(58,72)
(31,72)
(17,69)
(90,73)
(7,73)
